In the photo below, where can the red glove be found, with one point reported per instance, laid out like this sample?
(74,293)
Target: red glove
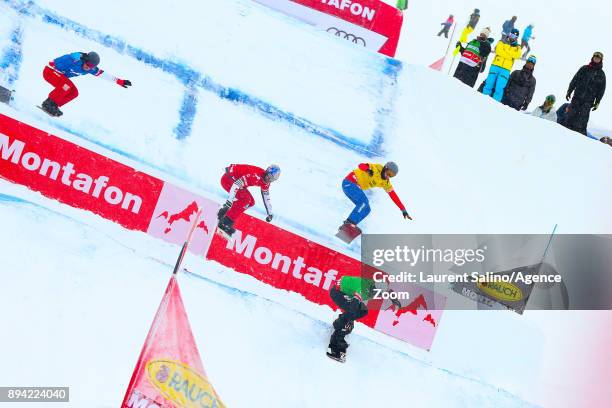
(124,82)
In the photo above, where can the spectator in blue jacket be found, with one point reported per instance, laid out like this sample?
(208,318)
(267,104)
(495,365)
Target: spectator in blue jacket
(527,35)
(507,27)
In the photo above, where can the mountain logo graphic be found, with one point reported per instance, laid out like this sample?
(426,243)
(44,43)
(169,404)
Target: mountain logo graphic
(183,215)
(417,303)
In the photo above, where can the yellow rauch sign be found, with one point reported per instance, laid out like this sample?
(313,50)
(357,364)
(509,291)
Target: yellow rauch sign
(183,386)
(502,291)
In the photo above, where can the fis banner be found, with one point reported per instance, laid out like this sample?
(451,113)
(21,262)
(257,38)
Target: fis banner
(169,371)
(368,23)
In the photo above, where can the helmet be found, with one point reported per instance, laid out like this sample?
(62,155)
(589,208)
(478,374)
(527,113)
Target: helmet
(91,58)
(392,167)
(551,99)
(272,173)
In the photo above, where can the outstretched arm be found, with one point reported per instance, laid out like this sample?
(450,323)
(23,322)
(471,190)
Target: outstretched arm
(399,204)
(265,195)
(105,75)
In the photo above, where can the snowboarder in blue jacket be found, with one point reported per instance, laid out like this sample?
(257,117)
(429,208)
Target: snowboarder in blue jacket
(59,71)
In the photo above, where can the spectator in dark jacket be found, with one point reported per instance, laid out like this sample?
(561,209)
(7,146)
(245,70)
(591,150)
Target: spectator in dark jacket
(562,113)
(508,26)
(588,87)
(473,55)
(474,18)
(446,26)
(521,86)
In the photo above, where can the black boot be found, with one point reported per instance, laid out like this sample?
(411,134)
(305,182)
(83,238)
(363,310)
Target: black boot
(51,107)
(227,225)
(222,211)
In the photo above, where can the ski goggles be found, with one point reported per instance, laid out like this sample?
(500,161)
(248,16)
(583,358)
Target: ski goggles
(513,36)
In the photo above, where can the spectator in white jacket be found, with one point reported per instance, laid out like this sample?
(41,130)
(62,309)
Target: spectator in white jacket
(546,110)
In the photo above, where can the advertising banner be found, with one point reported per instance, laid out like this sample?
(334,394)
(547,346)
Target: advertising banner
(368,23)
(76,176)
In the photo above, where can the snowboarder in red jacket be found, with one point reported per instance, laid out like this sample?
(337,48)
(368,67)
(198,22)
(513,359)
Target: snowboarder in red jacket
(236,180)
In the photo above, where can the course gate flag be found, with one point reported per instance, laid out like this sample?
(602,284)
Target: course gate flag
(169,371)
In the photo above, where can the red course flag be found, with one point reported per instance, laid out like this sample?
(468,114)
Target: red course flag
(169,372)
(438,64)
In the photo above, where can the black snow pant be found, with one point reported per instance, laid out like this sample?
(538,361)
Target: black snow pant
(352,309)
(466,74)
(577,118)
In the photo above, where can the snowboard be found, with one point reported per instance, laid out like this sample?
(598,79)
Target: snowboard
(348,232)
(5,95)
(341,359)
(223,234)
(41,108)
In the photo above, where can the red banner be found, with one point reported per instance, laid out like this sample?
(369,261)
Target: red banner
(373,15)
(169,372)
(76,176)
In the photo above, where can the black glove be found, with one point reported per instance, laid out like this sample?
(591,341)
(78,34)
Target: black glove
(596,105)
(524,107)
(124,82)
(269,217)
(406,216)
(370,172)
(458,44)
(569,95)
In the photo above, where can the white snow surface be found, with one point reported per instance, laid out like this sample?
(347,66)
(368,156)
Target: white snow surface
(79,293)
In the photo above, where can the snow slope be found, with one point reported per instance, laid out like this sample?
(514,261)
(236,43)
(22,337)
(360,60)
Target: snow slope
(493,172)
(91,290)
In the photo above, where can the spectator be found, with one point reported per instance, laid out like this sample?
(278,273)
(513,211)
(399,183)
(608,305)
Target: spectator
(588,87)
(506,52)
(472,57)
(547,109)
(474,18)
(507,27)
(527,35)
(521,86)
(562,113)
(446,26)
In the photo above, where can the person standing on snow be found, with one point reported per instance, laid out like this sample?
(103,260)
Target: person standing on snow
(364,177)
(507,27)
(472,57)
(506,52)
(546,110)
(527,35)
(351,296)
(59,71)
(521,86)
(474,18)
(236,179)
(588,87)
(446,26)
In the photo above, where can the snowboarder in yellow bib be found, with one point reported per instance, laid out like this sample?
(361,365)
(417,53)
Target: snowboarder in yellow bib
(364,177)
